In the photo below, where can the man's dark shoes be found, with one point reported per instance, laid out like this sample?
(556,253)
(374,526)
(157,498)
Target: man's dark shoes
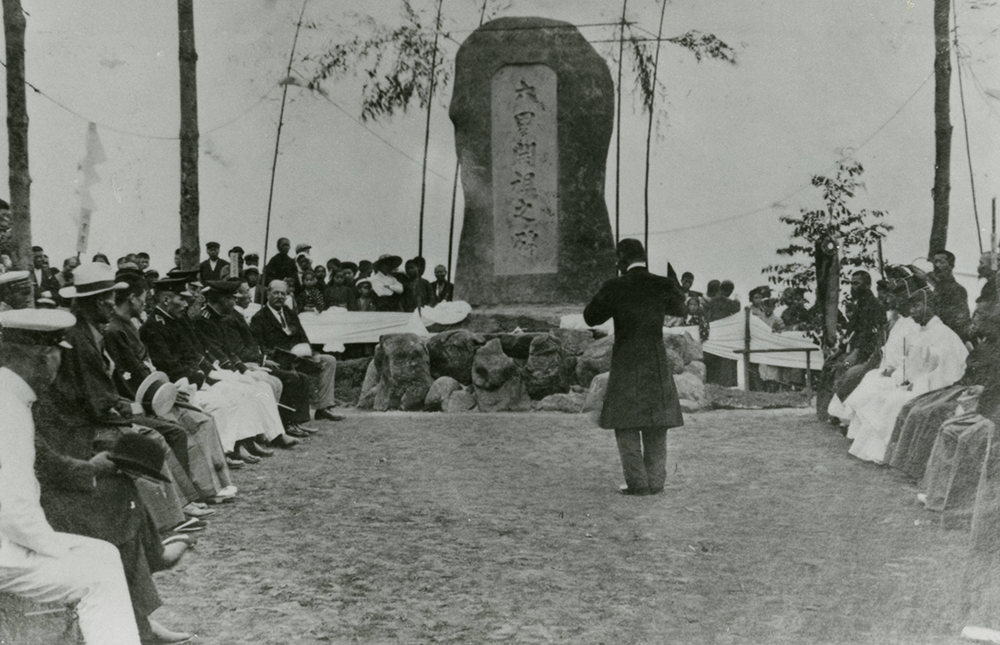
(257,450)
(325,413)
(625,490)
(295,431)
(284,441)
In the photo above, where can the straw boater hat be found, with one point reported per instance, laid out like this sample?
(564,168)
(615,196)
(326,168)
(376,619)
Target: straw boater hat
(156,394)
(36,326)
(91,279)
(13,279)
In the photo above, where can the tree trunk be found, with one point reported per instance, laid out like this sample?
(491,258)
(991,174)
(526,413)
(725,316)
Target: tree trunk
(17,135)
(942,127)
(190,245)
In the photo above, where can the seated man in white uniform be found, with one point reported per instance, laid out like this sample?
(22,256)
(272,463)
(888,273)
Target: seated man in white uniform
(933,356)
(35,561)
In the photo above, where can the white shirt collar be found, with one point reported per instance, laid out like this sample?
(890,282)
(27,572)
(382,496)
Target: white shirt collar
(634,265)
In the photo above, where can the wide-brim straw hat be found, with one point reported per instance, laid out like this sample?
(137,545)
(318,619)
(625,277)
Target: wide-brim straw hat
(156,394)
(91,279)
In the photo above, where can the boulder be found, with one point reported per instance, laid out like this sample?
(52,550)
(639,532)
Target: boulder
(509,397)
(687,347)
(491,367)
(439,393)
(544,373)
(697,368)
(369,387)
(571,403)
(497,383)
(594,360)
(595,395)
(517,345)
(689,406)
(691,388)
(536,226)
(574,341)
(675,362)
(404,372)
(452,352)
(461,400)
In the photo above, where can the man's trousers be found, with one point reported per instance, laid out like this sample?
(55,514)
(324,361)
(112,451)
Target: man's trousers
(643,452)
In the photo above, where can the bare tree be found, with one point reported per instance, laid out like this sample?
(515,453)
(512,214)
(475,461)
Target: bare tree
(189,207)
(17,134)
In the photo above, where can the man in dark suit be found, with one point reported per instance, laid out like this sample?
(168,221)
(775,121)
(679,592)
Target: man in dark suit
(280,266)
(641,401)
(43,277)
(277,327)
(213,268)
(441,289)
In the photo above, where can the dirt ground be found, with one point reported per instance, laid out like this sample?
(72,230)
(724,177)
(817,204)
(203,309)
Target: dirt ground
(429,528)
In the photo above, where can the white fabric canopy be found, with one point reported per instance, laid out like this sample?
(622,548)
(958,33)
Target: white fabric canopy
(726,336)
(336,327)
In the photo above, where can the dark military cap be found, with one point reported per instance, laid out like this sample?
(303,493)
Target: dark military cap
(212,245)
(221,286)
(190,275)
(175,285)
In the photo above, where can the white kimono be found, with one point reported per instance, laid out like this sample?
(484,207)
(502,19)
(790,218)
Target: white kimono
(934,358)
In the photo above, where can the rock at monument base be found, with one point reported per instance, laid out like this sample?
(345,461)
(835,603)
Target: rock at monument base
(688,348)
(574,341)
(533,110)
(404,373)
(509,397)
(461,400)
(369,387)
(675,361)
(594,360)
(595,395)
(515,345)
(544,373)
(452,352)
(572,403)
(690,388)
(697,368)
(440,392)
(689,406)
(491,368)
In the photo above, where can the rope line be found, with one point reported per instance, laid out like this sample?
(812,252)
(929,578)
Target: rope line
(775,203)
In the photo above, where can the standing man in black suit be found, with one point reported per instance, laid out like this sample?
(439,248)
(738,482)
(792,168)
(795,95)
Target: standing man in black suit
(641,401)
(213,268)
(280,266)
(441,289)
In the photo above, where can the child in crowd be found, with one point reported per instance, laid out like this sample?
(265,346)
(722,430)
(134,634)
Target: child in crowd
(311,298)
(340,293)
(365,297)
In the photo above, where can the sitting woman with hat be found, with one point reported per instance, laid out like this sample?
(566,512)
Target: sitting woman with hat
(387,290)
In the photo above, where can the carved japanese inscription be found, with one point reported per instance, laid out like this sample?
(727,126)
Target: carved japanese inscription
(525,171)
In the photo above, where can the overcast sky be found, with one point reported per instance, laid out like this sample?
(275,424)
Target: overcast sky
(814,81)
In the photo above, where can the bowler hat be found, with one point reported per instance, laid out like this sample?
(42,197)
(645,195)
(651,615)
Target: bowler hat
(139,456)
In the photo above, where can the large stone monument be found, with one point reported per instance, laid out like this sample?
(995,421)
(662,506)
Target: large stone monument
(533,109)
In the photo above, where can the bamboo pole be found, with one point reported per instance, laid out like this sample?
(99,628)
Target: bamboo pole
(427,132)
(649,130)
(277,143)
(618,128)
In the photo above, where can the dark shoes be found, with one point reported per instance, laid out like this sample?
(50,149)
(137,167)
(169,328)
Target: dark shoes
(295,431)
(625,490)
(329,416)
(258,450)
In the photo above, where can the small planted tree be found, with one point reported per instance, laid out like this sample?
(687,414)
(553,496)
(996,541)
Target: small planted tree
(856,233)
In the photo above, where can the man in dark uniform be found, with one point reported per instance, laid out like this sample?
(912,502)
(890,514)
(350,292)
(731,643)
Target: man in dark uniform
(220,326)
(951,299)
(641,401)
(213,268)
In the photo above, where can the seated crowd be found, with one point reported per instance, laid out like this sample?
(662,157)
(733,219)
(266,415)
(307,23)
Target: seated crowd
(135,395)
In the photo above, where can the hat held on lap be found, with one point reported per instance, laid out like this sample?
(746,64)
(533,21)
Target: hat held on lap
(139,456)
(156,394)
